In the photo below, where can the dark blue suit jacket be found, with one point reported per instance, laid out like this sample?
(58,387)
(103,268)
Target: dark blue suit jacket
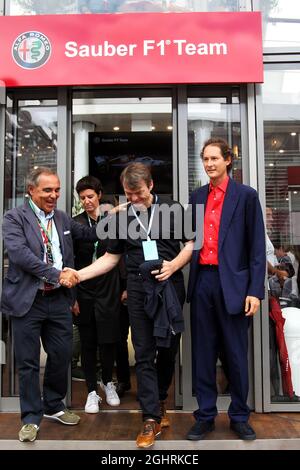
(25,249)
(241,246)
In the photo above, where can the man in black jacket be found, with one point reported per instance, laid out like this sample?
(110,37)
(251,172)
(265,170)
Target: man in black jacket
(142,236)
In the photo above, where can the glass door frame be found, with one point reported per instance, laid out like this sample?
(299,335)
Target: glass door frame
(63,96)
(133,92)
(144,92)
(249,173)
(183,385)
(12,403)
(2,164)
(271,63)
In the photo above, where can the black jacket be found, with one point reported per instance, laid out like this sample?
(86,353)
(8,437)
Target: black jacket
(161,305)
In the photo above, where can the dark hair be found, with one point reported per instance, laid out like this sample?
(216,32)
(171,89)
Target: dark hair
(226,151)
(134,174)
(34,176)
(89,182)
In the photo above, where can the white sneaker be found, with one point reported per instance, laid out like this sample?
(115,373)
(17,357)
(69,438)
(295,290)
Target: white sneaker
(112,397)
(92,403)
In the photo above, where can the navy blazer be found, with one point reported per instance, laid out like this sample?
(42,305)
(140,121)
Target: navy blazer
(25,249)
(241,246)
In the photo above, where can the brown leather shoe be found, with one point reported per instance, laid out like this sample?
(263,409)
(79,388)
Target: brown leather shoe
(165,422)
(146,438)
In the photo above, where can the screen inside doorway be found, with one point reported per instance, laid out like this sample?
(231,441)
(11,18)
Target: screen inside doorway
(111,152)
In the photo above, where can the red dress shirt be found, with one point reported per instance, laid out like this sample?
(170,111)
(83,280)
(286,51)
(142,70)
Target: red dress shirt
(212,219)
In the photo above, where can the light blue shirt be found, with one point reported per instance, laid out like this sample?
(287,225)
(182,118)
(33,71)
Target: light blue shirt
(55,244)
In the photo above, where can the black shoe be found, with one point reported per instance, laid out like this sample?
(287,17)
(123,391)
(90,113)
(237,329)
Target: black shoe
(122,387)
(199,430)
(243,430)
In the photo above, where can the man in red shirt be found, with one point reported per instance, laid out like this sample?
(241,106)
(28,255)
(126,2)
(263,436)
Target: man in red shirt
(225,287)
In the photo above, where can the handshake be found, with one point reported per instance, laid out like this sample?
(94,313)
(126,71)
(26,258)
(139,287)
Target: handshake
(69,278)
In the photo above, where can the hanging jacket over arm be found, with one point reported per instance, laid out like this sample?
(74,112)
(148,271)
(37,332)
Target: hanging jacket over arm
(161,305)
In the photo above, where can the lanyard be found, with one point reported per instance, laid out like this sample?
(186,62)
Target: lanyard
(95,244)
(153,207)
(46,232)
(46,235)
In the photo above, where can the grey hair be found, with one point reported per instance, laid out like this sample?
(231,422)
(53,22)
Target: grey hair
(34,176)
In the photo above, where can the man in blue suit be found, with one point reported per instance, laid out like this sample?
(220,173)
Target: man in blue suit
(38,240)
(225,287)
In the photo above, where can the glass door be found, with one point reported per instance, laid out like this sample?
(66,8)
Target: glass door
(162,127)
(2,138)
(281,322)
(112,128)
(30,141)
(211,112)
(111,132)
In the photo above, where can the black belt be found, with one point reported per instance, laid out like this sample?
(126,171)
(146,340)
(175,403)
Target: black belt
(209,267)
(49,292)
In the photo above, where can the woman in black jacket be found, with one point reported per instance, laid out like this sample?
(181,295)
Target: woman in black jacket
(96,312)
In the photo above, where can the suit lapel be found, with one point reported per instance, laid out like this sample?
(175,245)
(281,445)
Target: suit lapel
(59,227)
(230,202)
(201,198)
(32,219)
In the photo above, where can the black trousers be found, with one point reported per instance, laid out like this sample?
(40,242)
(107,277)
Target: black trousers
(50,321)
(89,349)
(154,366)
(122,357)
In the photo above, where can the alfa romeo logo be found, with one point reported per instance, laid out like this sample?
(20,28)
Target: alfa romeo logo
(31,50)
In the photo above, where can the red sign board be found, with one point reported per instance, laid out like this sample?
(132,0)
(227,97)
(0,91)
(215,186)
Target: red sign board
(131,49)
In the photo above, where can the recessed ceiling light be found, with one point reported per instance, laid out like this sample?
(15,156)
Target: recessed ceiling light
(169,128)
(271,164)
(116,128)
(293,134)
(281,151)
(153,128)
